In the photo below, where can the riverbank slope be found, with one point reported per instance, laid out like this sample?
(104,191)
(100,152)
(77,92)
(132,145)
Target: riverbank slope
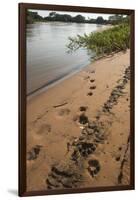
(81,126)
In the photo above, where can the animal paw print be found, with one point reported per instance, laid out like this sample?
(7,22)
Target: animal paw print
(94,167)
(34,152)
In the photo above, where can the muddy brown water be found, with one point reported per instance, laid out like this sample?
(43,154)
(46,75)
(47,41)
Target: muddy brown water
(48,59)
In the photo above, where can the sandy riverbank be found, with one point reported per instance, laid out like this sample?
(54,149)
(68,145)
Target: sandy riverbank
(78,131)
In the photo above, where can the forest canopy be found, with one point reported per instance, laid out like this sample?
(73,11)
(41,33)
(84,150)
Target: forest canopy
(53,16)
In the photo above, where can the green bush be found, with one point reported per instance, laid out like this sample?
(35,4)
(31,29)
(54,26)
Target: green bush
(114,39)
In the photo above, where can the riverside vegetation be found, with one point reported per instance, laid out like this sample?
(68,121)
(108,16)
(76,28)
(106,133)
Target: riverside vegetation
(108,41)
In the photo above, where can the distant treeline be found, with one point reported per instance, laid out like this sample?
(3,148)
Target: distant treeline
(53,16)
(32,17)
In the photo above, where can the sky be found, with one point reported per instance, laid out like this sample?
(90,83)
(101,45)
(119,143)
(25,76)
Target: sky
(45,13)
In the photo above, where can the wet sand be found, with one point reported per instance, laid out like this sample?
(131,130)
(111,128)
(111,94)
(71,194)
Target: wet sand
(78,130)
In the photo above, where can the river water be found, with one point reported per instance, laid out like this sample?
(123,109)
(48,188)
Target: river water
(48,59)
